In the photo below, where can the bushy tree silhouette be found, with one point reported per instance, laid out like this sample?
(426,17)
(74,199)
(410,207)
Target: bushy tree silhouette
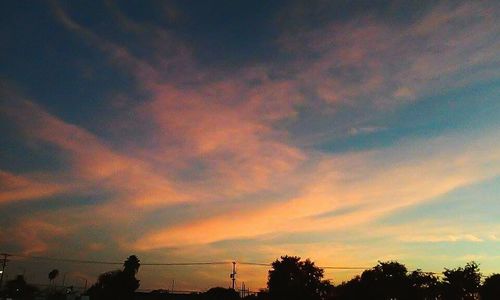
(293,279)
(117,284)
(491,288)
(350,290)
(387,280)
(423,286)
(462,283)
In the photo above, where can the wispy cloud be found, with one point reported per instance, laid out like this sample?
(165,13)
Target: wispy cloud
(218,139)
(368,61)
(335,183)
(365,130)
(445,238)
(21,187)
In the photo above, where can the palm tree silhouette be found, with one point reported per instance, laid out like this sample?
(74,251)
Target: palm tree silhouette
(131,265)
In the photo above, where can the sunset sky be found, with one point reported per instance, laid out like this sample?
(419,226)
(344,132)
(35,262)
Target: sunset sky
(190,131)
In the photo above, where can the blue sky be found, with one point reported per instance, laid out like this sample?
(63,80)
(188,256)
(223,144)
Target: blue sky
(344,131)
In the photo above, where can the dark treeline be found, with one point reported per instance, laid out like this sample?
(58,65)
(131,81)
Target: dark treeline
(291,278)
(295,279)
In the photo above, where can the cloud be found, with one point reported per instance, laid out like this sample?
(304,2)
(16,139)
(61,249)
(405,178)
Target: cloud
(234,140)
(90,161)
(219,144)
(378,183)
(225,128)
(445,238)
(17,187)
(365,130)
(33,235)
(368,61)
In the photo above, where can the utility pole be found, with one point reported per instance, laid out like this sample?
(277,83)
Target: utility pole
(4,263)
(233,274)
(243,290)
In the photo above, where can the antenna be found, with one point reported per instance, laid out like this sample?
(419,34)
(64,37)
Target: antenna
(233,274)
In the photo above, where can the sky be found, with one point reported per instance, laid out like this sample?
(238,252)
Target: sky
(347,132)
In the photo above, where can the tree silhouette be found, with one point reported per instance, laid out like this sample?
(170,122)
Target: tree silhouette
(462,283)
(131,265)
(350,290)
(53,274)
(491,288)
(423,285)
(387,280)
(117,284)
(293,279)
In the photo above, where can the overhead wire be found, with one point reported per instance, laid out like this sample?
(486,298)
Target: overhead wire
(247,263)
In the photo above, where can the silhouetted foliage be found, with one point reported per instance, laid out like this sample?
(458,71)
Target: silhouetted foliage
(19,289)
(461,283)
(293,279)
(117,284)
(219,293)
(53,274)
(263,294)
(387,280)
(491,288)
(423,285)
(131,265)
(350,290)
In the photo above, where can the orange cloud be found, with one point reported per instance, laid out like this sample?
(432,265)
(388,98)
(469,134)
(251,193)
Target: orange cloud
(91,160)
(370,62)
(227,127)
(34,236)
(375,183)
(224,132)
(15,187)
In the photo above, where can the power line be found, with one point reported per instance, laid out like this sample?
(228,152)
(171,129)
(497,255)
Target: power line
(66,260)
(188,263)
(345,268)
(326,267)
(254,264)
(81,261)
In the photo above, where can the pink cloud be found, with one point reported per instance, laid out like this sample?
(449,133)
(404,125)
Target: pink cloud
(18,187)
(33,236)
(377,183)
(228,127)
(226,132)
(91,162)
(367,61)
